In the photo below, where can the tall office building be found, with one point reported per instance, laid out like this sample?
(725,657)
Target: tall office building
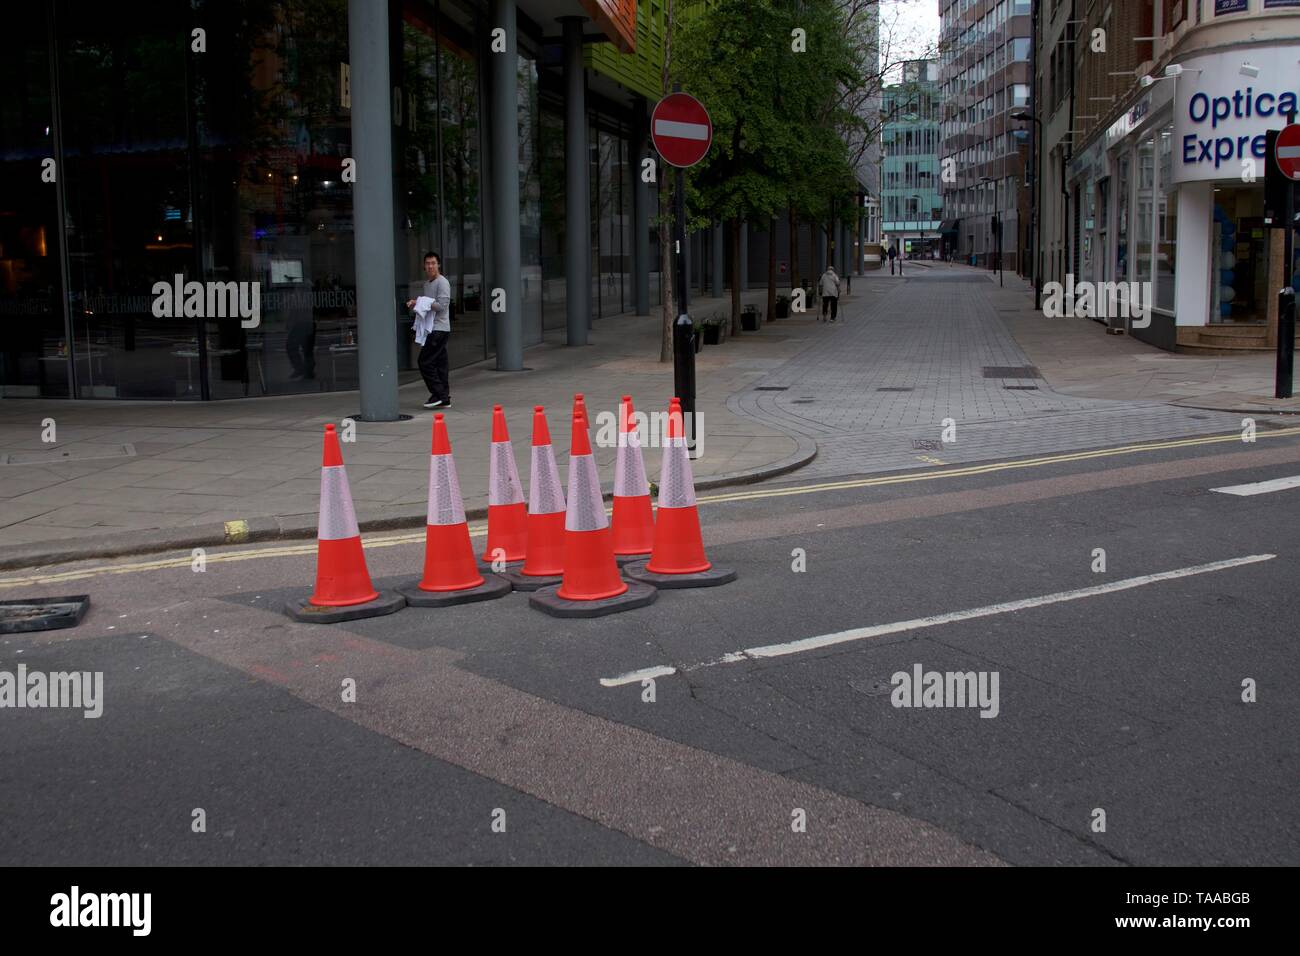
(984,76)
(912,206)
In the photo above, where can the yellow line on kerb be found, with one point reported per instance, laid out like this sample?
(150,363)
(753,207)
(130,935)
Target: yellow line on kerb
(479,529)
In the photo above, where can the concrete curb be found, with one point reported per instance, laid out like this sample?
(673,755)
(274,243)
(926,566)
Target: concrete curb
(300,527)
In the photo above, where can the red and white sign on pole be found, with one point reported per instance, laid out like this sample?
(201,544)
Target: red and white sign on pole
(681,129)
(1288,151)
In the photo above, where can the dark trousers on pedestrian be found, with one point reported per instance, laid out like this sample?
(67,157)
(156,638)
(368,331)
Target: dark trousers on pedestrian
(433,365)
(831,302)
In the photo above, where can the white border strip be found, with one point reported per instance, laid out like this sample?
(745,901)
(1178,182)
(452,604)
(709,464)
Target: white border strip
(879,630)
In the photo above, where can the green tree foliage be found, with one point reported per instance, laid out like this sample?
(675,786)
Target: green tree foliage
(777,101)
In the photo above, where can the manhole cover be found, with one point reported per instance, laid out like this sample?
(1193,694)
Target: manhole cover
(42,614)
(771,388)
(1011,371)
(1199,417)
(872,687)
(75,452)
(894,388)
(927,444)
(1021,388)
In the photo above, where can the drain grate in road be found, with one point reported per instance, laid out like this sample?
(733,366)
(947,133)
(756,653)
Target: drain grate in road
(771,388)
(1021,388)
(42,614)
(802,401)
(1011,371)
(894,388)
(927,444)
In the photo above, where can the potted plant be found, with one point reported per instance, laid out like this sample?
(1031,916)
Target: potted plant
(750,318)
(782,306)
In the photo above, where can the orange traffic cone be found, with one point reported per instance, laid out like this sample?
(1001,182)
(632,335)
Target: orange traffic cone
(451,575)
(343,591)
(592,586)
(678,560)
(507,534)
(633,520)
(545,561)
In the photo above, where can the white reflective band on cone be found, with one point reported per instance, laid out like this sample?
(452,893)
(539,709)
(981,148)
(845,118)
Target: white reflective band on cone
(545,494)
(629,470)
(586,510)
(445,504)
(676,486)
(337,519)
(503,478)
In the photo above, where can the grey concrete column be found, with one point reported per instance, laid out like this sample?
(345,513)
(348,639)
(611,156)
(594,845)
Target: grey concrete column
(504,137)
(719,258)
(744,256)
(372,208)
(577,201)
(640,217)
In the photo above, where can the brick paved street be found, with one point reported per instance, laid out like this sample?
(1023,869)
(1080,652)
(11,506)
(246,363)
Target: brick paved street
(874,389)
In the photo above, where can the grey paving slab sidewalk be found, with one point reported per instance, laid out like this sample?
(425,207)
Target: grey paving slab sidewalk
(944,345)
(867,394)
(119,469)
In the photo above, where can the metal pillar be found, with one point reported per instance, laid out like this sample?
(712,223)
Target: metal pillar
(372,209)
(577,205)
(640,218)
(504,137)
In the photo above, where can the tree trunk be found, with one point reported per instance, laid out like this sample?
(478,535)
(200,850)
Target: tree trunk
(794,251)
(735,276)
(771,270)
(666,267)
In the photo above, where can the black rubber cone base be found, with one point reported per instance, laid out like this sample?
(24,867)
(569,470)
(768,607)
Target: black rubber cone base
(623,559)
(700,579)
(550,602)
(530,582)
(303,610)
(493,586)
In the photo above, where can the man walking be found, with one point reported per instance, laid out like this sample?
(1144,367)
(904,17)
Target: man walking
(892,253)
(432,329)
(829,286)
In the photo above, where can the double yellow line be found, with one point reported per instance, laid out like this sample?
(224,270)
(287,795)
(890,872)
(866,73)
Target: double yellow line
(479,528)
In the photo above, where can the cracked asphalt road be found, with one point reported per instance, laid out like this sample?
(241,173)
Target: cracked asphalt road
(1127,701)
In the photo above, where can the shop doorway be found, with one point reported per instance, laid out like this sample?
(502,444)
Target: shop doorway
(1239,244)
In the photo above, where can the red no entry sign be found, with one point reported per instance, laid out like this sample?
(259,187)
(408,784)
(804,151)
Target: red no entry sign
(1288,151)
(681,129)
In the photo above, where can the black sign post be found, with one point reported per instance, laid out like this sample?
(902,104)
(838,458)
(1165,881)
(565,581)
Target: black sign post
(1283,379)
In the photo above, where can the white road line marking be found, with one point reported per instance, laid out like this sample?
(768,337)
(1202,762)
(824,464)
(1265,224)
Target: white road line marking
(879,630)
(681,130)
(1260,487)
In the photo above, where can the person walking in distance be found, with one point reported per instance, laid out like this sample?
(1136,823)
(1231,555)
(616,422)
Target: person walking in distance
(432,329)
(892,253)
(829,286)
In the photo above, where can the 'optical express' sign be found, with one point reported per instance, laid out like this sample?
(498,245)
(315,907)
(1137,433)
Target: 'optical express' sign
(1221,115)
